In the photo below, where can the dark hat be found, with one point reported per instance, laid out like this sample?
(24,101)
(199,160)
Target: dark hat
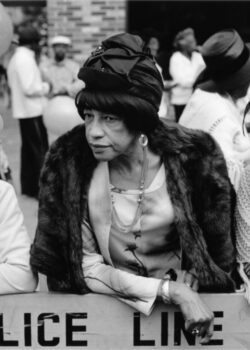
(122,63)
(227,61)
(28,35)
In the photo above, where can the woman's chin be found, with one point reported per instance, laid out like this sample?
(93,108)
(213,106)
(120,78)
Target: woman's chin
(102,156)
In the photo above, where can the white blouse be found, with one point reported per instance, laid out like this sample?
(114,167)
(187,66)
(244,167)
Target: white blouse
(184,72)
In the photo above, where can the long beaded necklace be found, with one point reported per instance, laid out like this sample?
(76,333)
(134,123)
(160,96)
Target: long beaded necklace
(122,226)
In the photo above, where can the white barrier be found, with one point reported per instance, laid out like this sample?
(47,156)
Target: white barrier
(67,321)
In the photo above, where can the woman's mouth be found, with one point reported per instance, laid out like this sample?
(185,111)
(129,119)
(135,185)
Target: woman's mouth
(99,148)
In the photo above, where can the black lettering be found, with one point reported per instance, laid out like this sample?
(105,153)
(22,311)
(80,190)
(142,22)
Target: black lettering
(27,329)
(137,333)
(180,326)
(164,328)
(217,328)
(70,329)
(2,341)
(41,329)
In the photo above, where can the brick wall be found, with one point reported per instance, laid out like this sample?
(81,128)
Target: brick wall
(86,22)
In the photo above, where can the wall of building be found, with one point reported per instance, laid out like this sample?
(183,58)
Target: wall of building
(86,22)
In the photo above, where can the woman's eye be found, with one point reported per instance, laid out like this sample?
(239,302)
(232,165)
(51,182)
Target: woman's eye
(110,118)
(87,116)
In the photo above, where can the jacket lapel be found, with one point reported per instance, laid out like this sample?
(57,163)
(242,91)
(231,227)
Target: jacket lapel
(99,203)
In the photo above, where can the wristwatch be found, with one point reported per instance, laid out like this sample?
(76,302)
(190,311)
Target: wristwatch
(165,291)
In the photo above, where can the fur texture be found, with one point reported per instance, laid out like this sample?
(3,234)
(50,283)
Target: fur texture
(199,188)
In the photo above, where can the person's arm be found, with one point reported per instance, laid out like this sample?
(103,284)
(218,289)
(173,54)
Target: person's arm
(15,272)
(77,84)
(141,292)
(74,88)
(4,163)
(30,78)
(137,291)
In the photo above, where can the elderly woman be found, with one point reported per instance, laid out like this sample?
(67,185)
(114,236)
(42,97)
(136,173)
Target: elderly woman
(131,206)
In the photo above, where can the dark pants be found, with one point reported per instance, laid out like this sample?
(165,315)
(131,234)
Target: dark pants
(178,111)
(33,148)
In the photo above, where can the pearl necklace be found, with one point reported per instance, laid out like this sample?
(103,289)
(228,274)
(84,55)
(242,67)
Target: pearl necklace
(121,225)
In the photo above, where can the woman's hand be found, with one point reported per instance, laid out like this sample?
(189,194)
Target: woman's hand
(198,317)
(187,277)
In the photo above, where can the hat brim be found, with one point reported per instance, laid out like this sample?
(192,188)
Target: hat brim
(101,80)
(239,79)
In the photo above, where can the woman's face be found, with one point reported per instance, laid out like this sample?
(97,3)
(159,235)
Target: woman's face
(153,45)
(107,135)
(188,43)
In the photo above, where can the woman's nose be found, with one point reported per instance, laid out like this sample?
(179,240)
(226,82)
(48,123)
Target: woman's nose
(95,129)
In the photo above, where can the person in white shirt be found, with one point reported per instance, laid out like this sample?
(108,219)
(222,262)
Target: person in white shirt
(185,65)
(60,70)
(27,93)
(16,275)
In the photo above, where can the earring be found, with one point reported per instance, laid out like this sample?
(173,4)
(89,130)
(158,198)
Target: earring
(143,140)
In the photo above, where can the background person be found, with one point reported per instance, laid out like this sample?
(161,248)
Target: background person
(185,65)
(152,42)
(122,196)
(16,275)
(61,71)
(5,171)
(242,227)
(213,107)
(27,96)
(241,104)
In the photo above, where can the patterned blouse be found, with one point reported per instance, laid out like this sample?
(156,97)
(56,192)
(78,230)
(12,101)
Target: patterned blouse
(151,247)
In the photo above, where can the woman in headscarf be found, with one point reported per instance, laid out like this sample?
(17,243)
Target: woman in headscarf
(131,206)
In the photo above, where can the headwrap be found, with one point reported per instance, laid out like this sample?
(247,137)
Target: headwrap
(122,63)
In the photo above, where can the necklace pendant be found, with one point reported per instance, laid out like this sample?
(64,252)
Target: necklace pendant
(138,213)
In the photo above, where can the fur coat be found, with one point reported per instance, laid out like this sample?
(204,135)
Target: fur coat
(200,192)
